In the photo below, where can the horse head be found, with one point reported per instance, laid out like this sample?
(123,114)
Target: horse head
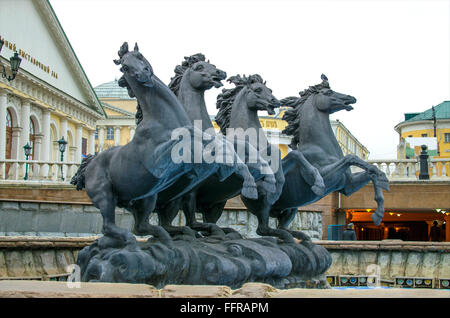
(204,75)
(327,100)
(137,71)
(200,74)
(258,95)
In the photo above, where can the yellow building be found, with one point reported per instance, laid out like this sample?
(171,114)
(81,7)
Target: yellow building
(118,128)
(432,123)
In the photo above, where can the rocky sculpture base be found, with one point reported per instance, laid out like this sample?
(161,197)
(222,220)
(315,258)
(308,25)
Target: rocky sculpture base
(231,261)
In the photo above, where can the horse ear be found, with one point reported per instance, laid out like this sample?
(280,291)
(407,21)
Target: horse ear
(117,62)
(123,49)
(136,48)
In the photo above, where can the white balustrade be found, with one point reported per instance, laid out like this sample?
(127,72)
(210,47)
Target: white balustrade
(40,171)
(50,171)
(408,169)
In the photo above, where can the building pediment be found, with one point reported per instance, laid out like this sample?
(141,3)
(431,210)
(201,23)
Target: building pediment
(32,29)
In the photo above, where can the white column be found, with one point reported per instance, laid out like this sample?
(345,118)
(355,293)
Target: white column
(34,169)
(25,124)
(117,135)
(79,142)
(46,142)
(91,142)
(101,138)
(3,105)
(63,132)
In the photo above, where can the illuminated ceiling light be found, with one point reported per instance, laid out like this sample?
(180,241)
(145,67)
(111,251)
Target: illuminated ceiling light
(368,210)
(398,214)
(390,213)
(438,210)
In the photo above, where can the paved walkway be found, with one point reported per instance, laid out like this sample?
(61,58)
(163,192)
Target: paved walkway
(45,289)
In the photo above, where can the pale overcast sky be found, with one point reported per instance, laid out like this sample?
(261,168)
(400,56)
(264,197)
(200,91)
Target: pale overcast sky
(393,56)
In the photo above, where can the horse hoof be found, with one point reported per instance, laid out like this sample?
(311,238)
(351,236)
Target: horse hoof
(250,192)
(318,190)
(376,219)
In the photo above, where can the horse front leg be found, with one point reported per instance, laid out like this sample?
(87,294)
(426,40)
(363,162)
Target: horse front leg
(358,180)
(310,173)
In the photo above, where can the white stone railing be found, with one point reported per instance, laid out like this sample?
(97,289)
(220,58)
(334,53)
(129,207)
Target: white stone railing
(50,171)
(408,169)
(44,171)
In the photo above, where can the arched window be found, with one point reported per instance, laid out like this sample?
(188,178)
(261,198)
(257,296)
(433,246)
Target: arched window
(9,126)
(32,134)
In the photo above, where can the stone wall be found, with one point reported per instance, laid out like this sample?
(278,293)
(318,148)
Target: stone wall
(394,258)
(74,220)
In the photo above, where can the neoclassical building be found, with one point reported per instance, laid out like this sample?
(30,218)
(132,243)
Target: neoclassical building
(51,96)
(119,126)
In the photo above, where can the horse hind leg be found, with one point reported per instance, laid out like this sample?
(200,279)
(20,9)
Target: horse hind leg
(142,209)
(167,214)
(262,213)
(189,210)
(285,219)
(213,213)
(103,198)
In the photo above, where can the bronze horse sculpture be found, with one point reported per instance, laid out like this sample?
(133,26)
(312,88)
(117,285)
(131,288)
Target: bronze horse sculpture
(193,77)
(309,125)
(137,175)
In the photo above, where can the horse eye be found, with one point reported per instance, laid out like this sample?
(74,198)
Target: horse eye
(258,90)
(125,68)
(199,68)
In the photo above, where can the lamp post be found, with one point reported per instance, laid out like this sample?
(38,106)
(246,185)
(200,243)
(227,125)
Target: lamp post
(27,148)
(14,61)
(62,147)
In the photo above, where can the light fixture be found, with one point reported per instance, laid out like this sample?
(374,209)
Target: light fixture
(14,61)
(62,147)
(398,214)
(438,210)
(27,149)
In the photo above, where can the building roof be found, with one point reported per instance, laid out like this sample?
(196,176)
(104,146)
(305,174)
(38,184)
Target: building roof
(112,90)
(442,112)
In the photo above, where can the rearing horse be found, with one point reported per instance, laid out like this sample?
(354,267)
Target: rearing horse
(192,78)
(136,175)
(313,137)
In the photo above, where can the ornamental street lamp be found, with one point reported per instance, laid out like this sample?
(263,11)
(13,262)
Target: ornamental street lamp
(62,147)
(14,61)
(27,148)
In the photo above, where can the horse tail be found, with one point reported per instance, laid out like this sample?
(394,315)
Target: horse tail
(79,178)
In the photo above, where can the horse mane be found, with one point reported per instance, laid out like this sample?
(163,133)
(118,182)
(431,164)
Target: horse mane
(292,116)
(226,99)
(175,81)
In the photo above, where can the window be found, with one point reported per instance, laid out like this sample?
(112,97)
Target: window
(110,133)
(31,138)
(424,135)
(83,146)
(447,137)
(96,133)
